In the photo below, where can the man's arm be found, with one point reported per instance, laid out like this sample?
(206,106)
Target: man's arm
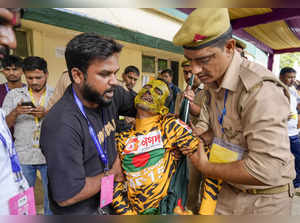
(125,102)
(13,112)
(194,109)
(233,172)
(264,116)
(93,184)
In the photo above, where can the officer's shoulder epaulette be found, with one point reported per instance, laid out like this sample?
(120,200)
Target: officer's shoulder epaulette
(253,78)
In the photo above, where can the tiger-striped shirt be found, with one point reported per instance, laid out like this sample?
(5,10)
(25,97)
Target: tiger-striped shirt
(148,162)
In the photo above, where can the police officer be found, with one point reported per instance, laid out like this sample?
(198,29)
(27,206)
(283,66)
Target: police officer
(194,94)
(247,109)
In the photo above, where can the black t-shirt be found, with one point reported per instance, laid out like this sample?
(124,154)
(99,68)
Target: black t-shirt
(122,125)
(70,152)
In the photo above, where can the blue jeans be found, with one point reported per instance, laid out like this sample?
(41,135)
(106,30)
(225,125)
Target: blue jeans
(29,172)
(295,149)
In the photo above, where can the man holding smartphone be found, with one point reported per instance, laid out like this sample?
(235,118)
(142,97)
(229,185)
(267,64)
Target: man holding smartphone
(25,110)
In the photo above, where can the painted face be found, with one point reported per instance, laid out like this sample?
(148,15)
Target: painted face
(36,79)
(152,97)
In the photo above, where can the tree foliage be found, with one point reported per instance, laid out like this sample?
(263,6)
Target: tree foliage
(289,59)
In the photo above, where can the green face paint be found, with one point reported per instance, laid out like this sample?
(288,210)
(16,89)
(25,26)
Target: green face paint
(153,97)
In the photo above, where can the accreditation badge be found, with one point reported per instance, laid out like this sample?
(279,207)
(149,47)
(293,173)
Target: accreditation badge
(36,137)
(23,203)
(107,189)
(224,152)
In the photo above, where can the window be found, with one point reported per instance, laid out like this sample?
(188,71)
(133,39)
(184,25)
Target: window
(148,64)
(22,49)
(162,64)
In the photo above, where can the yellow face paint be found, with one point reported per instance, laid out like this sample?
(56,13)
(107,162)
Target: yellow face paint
(156,92)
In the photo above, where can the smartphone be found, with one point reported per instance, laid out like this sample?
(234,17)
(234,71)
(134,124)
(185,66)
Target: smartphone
(28,103)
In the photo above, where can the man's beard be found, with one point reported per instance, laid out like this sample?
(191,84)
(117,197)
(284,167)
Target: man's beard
(89,94)
(38,89)
(13,80)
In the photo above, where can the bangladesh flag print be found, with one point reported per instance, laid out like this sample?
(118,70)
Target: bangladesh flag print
(137,162)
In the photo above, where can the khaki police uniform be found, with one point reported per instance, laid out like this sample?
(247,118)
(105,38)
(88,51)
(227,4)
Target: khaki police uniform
(256,119)
(257,109)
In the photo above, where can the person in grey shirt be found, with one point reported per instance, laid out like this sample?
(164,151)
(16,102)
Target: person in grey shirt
(25,110)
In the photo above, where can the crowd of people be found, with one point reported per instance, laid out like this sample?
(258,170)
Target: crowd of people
(103,149)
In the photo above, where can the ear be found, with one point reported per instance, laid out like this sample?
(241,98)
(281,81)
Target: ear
(230,46)
(77,75)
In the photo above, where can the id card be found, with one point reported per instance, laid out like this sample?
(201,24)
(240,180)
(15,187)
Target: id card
(107,189)
(224,152)
(36,138)
(23,203)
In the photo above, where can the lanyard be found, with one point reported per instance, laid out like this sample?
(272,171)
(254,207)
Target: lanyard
(36,119)
(14,160)
(221,116)
(93,134)
(6,87)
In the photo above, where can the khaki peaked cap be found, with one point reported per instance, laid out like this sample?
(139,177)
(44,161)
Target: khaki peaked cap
(203,27)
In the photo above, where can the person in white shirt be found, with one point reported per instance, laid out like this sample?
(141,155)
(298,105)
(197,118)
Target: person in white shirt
(10,19)
(288,77)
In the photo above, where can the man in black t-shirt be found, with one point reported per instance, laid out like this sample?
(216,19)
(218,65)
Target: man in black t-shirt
(74,167)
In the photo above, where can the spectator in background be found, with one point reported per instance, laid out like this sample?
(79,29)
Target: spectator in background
(130,76)
(167,75)
(288,77)
(62,84)
(12,70)
(9,186)
(27,120)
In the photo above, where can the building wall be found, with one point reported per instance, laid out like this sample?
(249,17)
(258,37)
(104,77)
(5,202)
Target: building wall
(49,42)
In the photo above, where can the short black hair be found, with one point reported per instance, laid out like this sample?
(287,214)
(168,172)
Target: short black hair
(220,43)
(286,70)
(35,63)
(169,71)
(11,60)
(133,69)
(86,47)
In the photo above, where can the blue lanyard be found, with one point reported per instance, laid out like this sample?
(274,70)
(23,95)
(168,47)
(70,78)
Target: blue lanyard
(6,87)
(93,134)
(14,160)
(221,116)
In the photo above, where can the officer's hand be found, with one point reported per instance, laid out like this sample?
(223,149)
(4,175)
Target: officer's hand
(196,131)
(177,154)
(38,112)
(116,170)
(189,94)
(199,158)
